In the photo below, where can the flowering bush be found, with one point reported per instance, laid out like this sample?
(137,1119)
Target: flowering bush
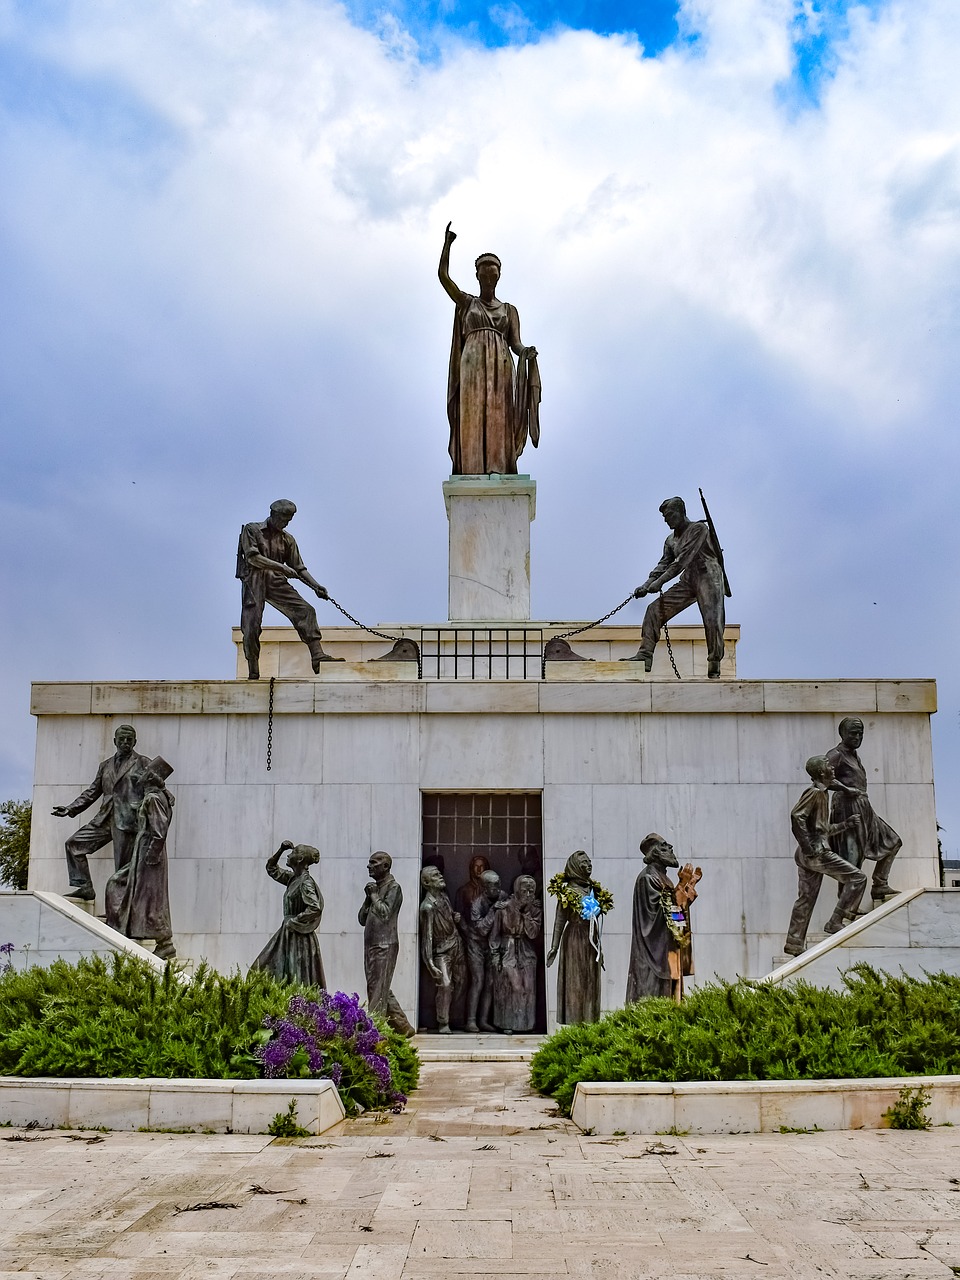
(334,1037)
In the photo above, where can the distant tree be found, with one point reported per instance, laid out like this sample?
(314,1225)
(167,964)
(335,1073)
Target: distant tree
(15,842)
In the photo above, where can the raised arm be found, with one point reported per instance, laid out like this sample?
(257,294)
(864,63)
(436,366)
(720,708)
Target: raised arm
(443,271)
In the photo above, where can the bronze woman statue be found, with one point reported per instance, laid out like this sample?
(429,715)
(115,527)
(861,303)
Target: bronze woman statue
(492,407)
(514,947)
(574,939)
(293,953)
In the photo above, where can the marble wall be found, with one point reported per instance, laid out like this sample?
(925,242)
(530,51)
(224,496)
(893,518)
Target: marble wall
(713,767)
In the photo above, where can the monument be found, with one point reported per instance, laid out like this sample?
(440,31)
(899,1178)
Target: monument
(661,948)
(514,740)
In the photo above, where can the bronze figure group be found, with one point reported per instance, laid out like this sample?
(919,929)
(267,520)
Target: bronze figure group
(837,830)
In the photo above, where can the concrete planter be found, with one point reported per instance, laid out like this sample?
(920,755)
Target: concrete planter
(218,1106)
(754,1106)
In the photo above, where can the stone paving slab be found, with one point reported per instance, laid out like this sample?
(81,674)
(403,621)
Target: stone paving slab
(480,1178)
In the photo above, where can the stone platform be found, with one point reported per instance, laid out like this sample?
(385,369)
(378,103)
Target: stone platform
(480,1178)
(714,765)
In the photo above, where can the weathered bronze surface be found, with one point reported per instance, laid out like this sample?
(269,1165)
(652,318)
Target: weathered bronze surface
(690,553)
(517,924)
(477,928)
(815,859)
(266,558)
(475,946)
(382,900)
(137,894)
(441,951)
(119,787)
(659,961)
(872,838)
(293,953)
(403,651)
(558,650)
(578,973)
(492,408)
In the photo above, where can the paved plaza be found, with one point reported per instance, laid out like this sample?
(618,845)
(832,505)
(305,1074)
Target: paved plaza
(479,1178)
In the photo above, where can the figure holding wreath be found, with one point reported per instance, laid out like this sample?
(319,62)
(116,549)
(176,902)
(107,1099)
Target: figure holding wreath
(581,905)
(661,951)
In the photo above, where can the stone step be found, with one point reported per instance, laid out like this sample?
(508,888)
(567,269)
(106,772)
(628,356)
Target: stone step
(470,1047)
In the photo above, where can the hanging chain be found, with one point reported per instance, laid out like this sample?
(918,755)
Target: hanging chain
(666,636)
(586,627)
(382,634)
(270,726)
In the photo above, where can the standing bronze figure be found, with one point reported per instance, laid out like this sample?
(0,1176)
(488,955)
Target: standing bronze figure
(137,896)
(477,931)
(492,408)
(382,900)
(815,859)
(475,944)
(872,838)
(266,558)
(119,787)
(661,948)
(576,941)
(692,553)
(293,953)
(513,950)
(441,951)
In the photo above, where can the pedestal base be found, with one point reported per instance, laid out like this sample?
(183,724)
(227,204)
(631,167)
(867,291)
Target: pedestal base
(489,546)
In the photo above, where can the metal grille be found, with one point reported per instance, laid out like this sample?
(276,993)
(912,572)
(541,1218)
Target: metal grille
(456,826)
(481,653)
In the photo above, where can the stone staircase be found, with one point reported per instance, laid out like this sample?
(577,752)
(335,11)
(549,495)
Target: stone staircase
(916,932)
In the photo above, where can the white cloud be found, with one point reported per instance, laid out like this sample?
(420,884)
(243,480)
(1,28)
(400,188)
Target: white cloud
(223,284)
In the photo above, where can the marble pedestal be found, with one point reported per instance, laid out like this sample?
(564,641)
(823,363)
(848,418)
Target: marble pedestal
(489,546)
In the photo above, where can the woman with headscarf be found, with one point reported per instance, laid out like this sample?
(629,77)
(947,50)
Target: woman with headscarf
(492,408)
(576,940)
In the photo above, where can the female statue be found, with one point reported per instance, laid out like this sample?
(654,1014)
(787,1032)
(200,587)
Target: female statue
(513,947)
(293,953)
(492,408)
(576,939)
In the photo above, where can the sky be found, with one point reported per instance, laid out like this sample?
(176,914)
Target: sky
(731,228)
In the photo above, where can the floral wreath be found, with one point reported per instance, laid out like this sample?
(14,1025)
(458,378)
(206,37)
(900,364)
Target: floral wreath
(596,902)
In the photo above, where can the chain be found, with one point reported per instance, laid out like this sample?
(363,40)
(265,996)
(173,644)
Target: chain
(586,627)
(270,726)
(666,636)
(382,634)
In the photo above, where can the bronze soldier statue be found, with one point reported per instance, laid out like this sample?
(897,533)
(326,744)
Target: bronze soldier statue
(691,553)
(266,558)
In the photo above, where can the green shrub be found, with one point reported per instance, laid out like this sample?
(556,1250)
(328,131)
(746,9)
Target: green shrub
(118,1017)
(878,1026)
(910,1110)
(286,1124)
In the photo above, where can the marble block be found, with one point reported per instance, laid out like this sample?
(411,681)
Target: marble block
(490,520)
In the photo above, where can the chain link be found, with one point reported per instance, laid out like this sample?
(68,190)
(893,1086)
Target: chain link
(273,680)
(586,627)
(666,636)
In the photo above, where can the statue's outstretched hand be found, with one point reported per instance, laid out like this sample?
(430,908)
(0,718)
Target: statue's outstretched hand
(449,236)
(322,592)
(59,811)
(640,592)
